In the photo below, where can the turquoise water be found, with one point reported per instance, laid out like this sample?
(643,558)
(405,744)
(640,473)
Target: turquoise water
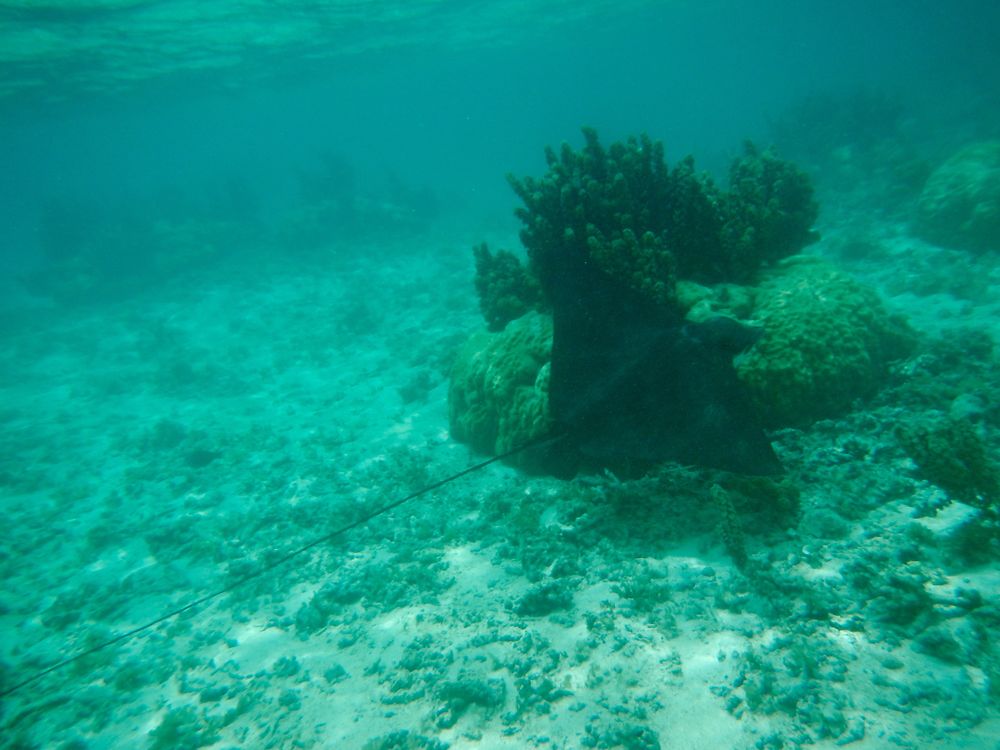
(238,314)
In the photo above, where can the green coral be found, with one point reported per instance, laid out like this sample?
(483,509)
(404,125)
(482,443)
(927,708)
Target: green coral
(730,525)
(654,229)
(545,598)
(827,341)
(649,225)
(182,729)
(467,690)
(506,289)
(620,733)
(960,204)
(952,455)
(769,210)
(613,205)
(499,386)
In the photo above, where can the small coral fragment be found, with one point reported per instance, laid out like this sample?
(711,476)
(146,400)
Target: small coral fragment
(950,453)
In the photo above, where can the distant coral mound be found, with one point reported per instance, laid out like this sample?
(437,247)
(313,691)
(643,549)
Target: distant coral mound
(960,203)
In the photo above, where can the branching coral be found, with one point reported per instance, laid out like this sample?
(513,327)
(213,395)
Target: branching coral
(648,225)
(611,205)
(769,210)
(506,289)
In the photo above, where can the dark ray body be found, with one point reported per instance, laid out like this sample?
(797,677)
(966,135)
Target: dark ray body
(633,383)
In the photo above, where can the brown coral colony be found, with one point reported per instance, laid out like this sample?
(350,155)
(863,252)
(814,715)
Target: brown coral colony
(672,241)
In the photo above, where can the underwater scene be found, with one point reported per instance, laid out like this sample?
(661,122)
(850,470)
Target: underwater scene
(500,374)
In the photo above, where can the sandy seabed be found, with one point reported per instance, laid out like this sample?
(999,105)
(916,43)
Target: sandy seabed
(158,448)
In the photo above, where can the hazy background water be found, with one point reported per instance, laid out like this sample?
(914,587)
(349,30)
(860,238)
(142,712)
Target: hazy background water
(142,109)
